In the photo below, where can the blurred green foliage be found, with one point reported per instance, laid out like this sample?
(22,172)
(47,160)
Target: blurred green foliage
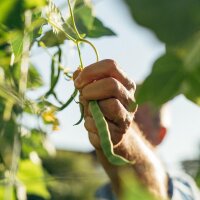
(177,24)
(173,21)
(22,26)
(132,188)
(33,178)
(73,176)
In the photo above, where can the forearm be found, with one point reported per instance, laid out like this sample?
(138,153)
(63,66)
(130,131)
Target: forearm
(147,167)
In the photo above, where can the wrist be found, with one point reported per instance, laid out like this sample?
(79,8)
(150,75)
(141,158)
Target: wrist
(125,146)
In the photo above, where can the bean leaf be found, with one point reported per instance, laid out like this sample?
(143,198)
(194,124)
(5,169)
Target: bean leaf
(164,82)
(173,21)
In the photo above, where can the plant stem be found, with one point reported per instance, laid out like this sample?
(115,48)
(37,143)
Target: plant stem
(93,47)
(73,20)
(25,55)
(69,100)
(80,56)
(22,89)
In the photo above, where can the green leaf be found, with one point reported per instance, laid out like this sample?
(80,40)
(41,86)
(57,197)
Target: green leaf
(33,142)
(4,59)
(36,26)
(173,21)
(30,4)
(98,30)
(89,24)
(11,13)
(6,7)
(32,176)
(17,44)
(51,39)
(79,3)
(191,86)
(8,129)
(86,24)
(132,188)
(84,17)
(9,190)
(188,52)
(34,78)
(164,82)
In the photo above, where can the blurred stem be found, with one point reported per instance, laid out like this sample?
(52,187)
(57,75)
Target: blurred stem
(54,79)
(25,55)
(57,99)
(53,57)
(22,90)
(14,167)
(69,100)
(8,109)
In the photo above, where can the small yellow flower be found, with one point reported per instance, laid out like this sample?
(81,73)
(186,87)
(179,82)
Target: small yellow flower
(49,118)
(56,126)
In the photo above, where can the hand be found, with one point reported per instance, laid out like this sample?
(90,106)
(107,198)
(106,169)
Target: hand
(104,81)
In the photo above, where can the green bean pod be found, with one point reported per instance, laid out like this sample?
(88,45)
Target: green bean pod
(105,138)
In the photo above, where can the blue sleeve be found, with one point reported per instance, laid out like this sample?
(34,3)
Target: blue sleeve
(183,187)
(105,193)
(180,187)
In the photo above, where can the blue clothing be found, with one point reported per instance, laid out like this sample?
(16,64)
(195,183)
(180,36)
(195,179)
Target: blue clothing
(184,188)
(181,187)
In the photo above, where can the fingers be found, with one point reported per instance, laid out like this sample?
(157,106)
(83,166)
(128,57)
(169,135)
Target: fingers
(84,102)
(115,112)
(108,88)
(115,132)
(90,125)
(103,69)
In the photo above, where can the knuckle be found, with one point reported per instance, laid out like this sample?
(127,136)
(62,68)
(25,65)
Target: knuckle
(94,140)
(123,129)
(110,108)
(126,123)
(86,92)
(109,103)
(82,100)
(115,105)
(133,85)
(86,125)
(111,64)
(114,85)
(90,125)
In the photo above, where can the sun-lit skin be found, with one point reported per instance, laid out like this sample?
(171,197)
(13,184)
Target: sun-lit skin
(104,81)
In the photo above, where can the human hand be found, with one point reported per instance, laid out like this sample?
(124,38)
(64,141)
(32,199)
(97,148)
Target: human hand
(104,81)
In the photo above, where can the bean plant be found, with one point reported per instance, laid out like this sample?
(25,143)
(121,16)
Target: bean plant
(39,24)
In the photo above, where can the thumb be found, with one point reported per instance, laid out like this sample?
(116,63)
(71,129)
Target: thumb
(76,73)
